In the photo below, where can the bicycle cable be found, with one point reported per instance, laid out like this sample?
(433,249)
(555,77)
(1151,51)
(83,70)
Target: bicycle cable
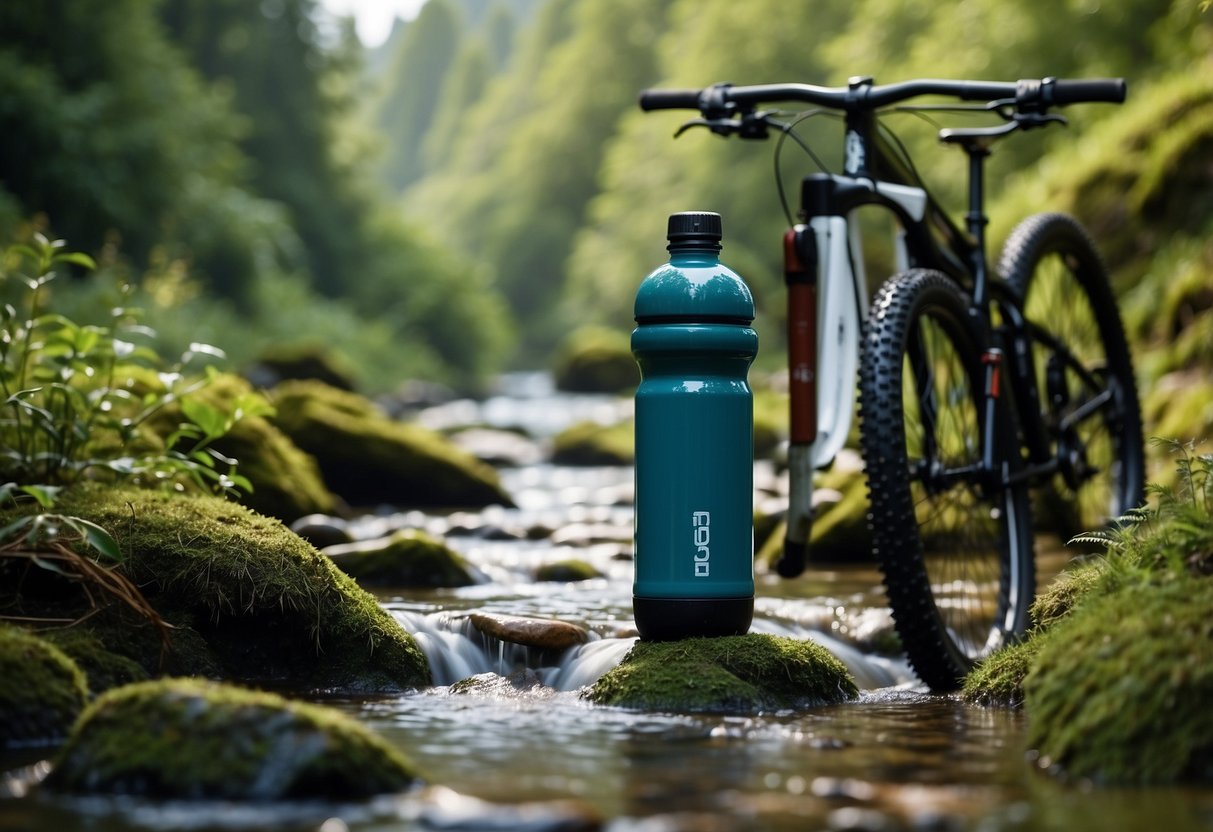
(789,129)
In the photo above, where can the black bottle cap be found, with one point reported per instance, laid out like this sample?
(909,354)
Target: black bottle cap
(694,229)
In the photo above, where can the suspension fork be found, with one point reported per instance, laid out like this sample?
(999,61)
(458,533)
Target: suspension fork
(800,275)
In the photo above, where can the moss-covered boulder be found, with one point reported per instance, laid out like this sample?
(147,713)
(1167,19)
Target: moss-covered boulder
(368,459)
(42,691)
(103,668)
(267,605)
(998,680)
(732,674)
(596,360)
(589,443)
(567,571)
(300,362)
(1120,691)
(840,522)
(407,558)
(189,740)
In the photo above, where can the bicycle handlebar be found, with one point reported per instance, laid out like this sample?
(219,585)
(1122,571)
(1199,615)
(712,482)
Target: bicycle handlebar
(861,94)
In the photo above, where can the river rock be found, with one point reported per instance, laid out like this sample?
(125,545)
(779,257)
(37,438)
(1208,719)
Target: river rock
(541,633)
(589,443)
(567,571)
(732,674)
(368,459)
(500,448)
(185,739)
(249,599)
(407,558)
(596,360)
(322,530)
(42,691)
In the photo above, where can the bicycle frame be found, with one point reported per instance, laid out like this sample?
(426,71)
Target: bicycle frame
(827,300)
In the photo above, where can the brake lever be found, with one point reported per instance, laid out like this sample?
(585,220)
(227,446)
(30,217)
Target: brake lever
(749,126)
(1028,121)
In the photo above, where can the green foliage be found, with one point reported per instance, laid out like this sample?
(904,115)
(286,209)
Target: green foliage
(73,408)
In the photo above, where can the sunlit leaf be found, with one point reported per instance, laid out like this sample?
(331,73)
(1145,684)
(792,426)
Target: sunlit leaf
(75,257)
(97,537)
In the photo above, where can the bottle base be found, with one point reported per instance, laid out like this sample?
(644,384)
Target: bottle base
(671,619)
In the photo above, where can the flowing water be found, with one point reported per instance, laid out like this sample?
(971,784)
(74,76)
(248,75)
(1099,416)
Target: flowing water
(521,749)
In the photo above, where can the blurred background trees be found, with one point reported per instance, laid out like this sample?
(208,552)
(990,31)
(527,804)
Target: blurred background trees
(457,200)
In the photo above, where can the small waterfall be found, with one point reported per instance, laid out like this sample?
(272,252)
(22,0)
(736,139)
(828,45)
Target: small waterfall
(456,650)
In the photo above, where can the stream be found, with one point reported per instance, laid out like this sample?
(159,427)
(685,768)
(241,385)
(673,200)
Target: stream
(522,750)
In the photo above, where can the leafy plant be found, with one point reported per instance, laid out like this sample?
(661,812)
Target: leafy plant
(1175,533)
(89,402)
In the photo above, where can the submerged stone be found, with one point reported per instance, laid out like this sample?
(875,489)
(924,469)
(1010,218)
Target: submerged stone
(1119,692)
(189,740)
(368,459)
(42,691)
(408,558)
(749,673)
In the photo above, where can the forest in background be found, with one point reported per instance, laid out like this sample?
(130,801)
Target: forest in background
(462,198)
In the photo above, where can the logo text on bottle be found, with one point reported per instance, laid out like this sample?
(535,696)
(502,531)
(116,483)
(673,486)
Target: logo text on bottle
(700,521)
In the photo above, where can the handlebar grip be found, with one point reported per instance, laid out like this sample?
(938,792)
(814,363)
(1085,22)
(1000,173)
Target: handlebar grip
(669,99)
(1089,89)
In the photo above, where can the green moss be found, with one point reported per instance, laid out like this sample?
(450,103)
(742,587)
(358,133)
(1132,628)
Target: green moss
(314,362)
(730,674)
(589,443)
(596,360)
(407,558)
(770,422)
(1120,691)
(185,739)
(1067,590)
(41,689)
(840,529)
(368,459)
(267,604)
(102,668)
(567,571)
(998,680)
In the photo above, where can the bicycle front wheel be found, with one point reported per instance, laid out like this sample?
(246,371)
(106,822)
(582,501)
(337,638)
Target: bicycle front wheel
(952,538)
(1084,375)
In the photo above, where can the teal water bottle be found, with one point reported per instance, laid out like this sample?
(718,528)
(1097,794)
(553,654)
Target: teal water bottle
(694,441)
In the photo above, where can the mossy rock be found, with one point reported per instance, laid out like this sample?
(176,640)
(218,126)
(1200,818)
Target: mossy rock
(103,668)
(589,443)
(185,739)
(42,691)
(1066,591)
(733,674)
(998,680)
(407,558)
(840,528)
(567,571)
(596,360)
(269,606)
(368,459)
(301,362)
(770,422)
(286,481)
(1119,691)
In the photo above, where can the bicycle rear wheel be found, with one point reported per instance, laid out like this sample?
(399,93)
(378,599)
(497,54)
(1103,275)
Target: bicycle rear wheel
(1083,372)
(954,541)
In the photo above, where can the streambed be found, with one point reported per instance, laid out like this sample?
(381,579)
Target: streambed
(524,742)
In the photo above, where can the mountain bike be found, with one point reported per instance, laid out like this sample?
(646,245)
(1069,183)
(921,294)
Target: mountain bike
(979,388)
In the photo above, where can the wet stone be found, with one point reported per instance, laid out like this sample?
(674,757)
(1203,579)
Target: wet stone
(444,809)
(502,448)
(541,633)
(321,530)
